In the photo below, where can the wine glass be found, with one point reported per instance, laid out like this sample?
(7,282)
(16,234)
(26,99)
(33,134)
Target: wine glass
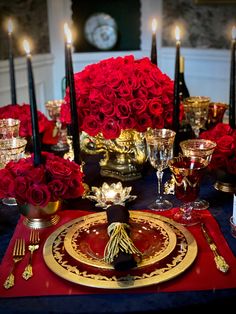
(199,148)
(216,113)
(196,112)
(160,151)
(11,149)
(54,109)
(187,173)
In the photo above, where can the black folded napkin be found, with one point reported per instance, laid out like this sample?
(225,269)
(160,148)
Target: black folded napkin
(120,250)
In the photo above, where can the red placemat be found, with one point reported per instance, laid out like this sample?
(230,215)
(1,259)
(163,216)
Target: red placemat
(201,275)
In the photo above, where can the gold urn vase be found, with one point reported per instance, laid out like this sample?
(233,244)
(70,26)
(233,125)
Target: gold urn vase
(123,157)
(40,217)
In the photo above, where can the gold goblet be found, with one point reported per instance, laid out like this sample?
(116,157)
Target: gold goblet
(196,112)
(187,174)
(216,112)
(11,149)
(199,148)
(160,151)
(54,109)
(9,128)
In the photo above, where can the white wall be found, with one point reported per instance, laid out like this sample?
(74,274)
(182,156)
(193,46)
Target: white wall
(206,71)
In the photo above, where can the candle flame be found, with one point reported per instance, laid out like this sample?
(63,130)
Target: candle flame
(10,26)
(233,32)
(177,33)
(68,33)
(26,46)
(154,25)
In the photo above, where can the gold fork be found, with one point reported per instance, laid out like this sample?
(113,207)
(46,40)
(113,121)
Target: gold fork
(18,254)
(33,246)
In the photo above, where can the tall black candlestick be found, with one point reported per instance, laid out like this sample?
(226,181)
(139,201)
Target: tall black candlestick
(74,115)
(34,115)
(154,44)
(11,67)
(232,87)
(176,90)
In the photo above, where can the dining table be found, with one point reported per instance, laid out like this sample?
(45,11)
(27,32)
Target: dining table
(201,286)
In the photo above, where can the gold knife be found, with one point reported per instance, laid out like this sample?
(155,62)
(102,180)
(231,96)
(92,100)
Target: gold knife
(219,260)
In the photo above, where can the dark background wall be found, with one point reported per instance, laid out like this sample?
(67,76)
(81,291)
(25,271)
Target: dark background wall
(30,20)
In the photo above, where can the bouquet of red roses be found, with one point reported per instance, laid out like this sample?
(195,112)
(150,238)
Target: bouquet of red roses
(55,179)
(121,93)
(22,113)
(224,155)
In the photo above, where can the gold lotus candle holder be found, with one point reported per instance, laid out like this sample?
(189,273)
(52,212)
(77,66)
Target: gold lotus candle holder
(54,108)
(9,128)
(114,194)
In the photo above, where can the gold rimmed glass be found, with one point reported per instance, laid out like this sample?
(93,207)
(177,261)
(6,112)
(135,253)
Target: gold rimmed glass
(199,148)
(216,113)
(187,173)
(160,151)
(11,149)
(9,128)
(196,112)
(54,109)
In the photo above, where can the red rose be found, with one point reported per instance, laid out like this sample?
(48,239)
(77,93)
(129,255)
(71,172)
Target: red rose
(155,106)
(92,125)
(74,188)
(58,170)
(38,195)
(110,129)
(21,188)
(57,189)
(231,165)
(122,109)
(226,145)
(7,184)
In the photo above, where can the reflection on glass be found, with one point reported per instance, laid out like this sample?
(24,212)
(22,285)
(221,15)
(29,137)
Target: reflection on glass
(196,112)
(160,151)
(187,173)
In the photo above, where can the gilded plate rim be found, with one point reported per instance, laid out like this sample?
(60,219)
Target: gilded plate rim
(99,218)
(127,282)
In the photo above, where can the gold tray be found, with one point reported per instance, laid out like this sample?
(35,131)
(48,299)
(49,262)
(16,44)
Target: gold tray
(63,265)
(85,241)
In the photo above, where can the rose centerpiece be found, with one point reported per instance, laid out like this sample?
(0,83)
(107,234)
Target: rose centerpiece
(223,161)
(118,99)
(39,190)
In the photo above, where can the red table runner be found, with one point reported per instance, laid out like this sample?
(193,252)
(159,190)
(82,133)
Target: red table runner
(201,275)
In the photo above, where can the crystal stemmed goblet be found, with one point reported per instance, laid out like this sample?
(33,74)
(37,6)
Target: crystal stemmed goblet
(9,128)
(54,109)
(187,173)
(196,112)
(216,112)
(160,151)
(11,149)
(199,148)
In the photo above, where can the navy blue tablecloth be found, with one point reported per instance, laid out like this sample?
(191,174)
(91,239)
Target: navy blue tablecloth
(221,205)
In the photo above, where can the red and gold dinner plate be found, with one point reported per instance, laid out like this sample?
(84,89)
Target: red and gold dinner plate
(162,261)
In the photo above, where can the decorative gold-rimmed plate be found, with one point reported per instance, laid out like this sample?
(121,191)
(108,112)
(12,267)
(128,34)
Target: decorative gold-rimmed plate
(86,240)
(65,266)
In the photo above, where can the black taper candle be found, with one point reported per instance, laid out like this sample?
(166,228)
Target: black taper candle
(232,82)
(74,115)
(176,90)
(11,64)
(154,43)
(33,109)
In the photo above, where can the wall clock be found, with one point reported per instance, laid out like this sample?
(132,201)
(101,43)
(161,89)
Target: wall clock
(101,31)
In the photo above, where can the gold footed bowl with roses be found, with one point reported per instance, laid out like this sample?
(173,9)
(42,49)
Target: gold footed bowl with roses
(41,217)
(123,157)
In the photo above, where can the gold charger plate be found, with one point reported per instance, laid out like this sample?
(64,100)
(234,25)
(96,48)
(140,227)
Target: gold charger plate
(86,240)
(63,265)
